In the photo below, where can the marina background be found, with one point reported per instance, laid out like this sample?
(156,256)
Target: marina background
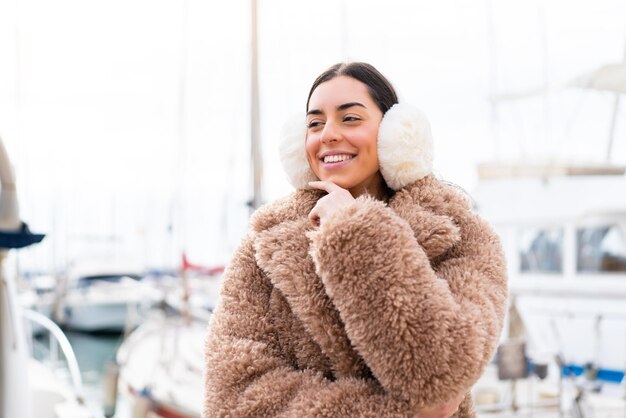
(128,122)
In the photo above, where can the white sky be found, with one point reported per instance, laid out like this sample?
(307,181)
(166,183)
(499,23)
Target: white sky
(91,111)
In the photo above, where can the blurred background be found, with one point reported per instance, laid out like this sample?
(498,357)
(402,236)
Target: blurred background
(129,124)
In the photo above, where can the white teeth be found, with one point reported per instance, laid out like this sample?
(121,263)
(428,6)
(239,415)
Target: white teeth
(337,158)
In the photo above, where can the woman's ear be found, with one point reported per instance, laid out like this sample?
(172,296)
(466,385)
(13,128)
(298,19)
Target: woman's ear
(405,146)
(292,150)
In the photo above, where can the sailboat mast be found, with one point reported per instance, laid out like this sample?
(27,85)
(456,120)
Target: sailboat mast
(255,125)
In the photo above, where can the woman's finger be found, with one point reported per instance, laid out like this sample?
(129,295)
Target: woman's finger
(336,199)
(328,186)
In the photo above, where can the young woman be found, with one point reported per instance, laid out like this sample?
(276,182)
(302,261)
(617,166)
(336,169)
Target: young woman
(373,290)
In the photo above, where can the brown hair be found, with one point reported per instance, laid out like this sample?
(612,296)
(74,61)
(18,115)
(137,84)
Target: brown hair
(380,89)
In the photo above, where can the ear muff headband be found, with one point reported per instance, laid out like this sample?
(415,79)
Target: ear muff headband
(405,148)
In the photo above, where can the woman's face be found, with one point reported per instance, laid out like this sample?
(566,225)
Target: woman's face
(342,133)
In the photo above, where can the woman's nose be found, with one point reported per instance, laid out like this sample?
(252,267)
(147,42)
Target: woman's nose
(331,133)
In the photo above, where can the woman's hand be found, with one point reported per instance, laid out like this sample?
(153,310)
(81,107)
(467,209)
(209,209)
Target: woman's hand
(442,411)
(336,199)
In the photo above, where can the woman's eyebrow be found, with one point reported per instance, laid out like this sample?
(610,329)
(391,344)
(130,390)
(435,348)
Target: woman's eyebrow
(350,104)
(339,108)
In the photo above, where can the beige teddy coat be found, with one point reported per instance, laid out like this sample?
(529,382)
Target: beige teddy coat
(382,310)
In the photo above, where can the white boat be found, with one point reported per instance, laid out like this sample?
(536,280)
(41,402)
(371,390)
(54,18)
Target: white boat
(102,297)
(30,388)
(161,367)
(160,362)
(563,228)
(565,241)
(27,388)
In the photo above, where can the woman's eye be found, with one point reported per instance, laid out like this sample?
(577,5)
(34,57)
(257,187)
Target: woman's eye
(314,124)
(351,118)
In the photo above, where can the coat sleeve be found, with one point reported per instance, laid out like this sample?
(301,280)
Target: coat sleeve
(426,333)
(247,375)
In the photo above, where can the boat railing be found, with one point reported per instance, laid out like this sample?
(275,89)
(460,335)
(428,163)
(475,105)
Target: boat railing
(59,337)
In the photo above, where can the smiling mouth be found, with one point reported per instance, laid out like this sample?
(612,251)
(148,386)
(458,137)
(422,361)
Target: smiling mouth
(329,159)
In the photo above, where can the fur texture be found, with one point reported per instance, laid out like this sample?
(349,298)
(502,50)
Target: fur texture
(405,148)
(382,310)
(293,153)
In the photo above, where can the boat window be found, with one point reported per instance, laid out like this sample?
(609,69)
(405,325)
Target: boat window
(601,249)
(541,250)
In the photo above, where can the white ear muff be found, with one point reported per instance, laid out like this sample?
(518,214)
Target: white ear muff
(405,148)
(293,152)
